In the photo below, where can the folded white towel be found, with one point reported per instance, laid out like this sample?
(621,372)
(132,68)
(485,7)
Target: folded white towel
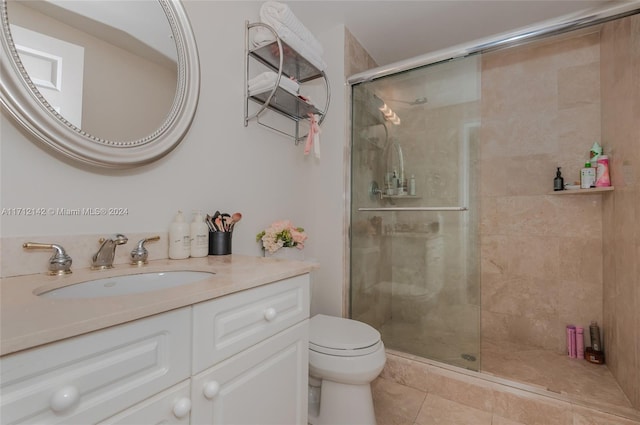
(263,36)
(279,15)
(267,80)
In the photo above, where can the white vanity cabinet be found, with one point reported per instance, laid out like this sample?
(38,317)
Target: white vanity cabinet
(238,359)
(251,356)
(88,378)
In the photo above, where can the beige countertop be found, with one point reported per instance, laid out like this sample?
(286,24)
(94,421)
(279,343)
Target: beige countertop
(27,320)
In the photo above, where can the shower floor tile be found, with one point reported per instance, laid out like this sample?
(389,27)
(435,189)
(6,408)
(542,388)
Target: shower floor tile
(441,345)
(451,397)
(544,369)
(553,371)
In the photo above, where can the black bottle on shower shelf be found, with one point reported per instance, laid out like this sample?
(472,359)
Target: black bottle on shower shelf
(594,333)
(558,182)
(595,353)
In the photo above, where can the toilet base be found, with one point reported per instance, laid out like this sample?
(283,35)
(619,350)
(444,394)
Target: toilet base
(344,404)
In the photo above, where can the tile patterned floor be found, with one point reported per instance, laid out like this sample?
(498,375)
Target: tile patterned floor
(413,393)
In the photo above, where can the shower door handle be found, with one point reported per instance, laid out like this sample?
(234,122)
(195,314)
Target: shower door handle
(415,209)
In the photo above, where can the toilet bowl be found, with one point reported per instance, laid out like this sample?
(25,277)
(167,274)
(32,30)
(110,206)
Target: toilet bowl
(344,357)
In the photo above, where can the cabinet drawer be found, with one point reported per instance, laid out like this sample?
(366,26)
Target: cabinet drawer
(91,377)
(170,407)
(227,325)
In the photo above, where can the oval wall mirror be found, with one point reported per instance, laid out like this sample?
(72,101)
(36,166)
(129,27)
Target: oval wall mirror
(110,83)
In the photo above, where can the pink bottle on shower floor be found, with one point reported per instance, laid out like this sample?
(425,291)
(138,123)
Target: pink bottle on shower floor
(571,341)
(580,342)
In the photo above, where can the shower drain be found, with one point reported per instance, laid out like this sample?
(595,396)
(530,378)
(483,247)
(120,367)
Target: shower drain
(468,357)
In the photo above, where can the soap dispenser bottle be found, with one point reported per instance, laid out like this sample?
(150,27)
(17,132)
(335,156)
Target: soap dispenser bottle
(179,238)
(199,236)
(558,182)
(587,176)
(412,185)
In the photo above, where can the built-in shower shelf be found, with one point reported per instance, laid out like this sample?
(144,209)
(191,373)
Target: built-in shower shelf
(582,191)
(401,197)
(408,235)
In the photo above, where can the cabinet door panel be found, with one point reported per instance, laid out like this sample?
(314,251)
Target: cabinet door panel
(265,384)
(91,377)
(226,326)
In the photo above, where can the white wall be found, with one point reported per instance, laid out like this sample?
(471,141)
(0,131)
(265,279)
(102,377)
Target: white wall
(221,165)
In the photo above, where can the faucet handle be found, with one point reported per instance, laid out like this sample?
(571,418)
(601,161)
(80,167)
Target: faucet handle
(140,254)
(59,263)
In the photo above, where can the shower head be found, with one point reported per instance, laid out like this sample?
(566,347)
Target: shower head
(418,101)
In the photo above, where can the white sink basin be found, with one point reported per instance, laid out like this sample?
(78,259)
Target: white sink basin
(125,285)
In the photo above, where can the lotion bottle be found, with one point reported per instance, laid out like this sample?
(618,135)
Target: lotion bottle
(602,172)
(199,236)
(587,176)
(395,182)
(412,185)
(179,238)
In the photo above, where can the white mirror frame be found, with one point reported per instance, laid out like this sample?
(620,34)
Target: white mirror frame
(21,99)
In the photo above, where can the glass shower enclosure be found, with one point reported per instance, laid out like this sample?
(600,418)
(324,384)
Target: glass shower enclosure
(414,211)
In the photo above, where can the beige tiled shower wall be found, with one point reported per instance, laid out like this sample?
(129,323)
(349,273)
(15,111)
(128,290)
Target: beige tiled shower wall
(541,254)
(357,59)
(369,285)
(620,80)
(431,285)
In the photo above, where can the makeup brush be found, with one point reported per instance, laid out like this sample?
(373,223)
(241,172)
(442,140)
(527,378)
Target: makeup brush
(209,221)
(219,225)
(225,221)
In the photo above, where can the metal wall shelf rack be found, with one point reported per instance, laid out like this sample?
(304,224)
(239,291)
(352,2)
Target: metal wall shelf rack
(287,63)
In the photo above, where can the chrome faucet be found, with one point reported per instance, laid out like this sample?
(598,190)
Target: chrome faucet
(103,259)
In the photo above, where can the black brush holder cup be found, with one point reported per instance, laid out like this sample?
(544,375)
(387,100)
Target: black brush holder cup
(220,243)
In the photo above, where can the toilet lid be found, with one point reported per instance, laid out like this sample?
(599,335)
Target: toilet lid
(338,336)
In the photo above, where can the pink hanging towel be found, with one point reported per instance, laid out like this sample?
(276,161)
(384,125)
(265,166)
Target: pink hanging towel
(313,138)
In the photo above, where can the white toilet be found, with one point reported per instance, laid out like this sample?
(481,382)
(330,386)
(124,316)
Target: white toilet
(344,357)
